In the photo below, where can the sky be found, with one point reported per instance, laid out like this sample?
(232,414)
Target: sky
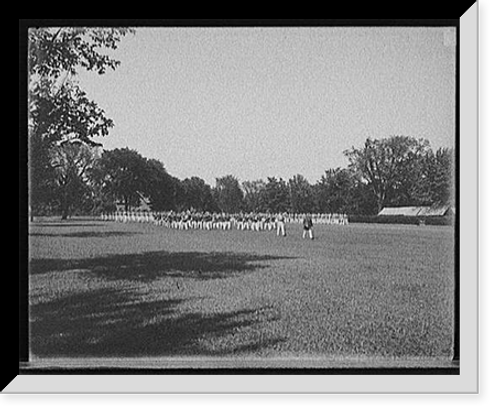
(258,102)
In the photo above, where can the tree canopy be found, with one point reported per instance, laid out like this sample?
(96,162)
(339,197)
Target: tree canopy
(58,109)
(391,167)
(126,177)
(228,194)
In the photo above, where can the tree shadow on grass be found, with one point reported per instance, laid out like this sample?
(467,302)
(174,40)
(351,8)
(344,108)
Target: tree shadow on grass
(129,320)
(87,234)
(149,266)
(116,323)
(61,224)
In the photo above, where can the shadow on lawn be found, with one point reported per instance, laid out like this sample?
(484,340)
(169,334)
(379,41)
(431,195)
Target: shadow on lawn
(149,266)
(88,234)
(128,320)
(116,323)
(64,224)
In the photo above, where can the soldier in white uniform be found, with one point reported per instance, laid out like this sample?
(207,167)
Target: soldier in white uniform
(280,222)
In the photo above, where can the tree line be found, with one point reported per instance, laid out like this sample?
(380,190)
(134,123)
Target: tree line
(397,171)
(70,173)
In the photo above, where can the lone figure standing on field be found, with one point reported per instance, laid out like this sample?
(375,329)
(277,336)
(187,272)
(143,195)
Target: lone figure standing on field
(308,225)
(280,220)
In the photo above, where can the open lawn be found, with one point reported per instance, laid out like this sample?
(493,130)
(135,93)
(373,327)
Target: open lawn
(357,293)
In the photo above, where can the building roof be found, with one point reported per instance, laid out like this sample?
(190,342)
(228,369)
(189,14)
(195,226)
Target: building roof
(435,210)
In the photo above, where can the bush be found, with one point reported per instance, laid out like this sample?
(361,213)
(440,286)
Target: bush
(404,220)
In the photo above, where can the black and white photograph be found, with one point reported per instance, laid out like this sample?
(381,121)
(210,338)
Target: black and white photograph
(221,198)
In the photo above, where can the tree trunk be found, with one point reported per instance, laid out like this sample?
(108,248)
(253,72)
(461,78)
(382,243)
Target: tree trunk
(380,205)
(380,201)
(65,213)
(64,207)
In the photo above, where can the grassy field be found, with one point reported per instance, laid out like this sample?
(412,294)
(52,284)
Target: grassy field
(355,293)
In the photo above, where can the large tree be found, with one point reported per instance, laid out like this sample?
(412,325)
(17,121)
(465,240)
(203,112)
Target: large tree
(197,195)
(335,191)
(391,167)
(123,176)
(276,195)
(161,188)
(440,177)
(301,195)
(72,161)
(253,195)
(58,109)
(228,194)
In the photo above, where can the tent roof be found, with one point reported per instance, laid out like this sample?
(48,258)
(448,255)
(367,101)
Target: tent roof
(433,211)
(400,211)
(415,211)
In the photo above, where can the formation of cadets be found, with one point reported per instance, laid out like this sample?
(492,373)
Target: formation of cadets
(221,221)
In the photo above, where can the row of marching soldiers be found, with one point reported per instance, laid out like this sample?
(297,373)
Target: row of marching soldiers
(220,221)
